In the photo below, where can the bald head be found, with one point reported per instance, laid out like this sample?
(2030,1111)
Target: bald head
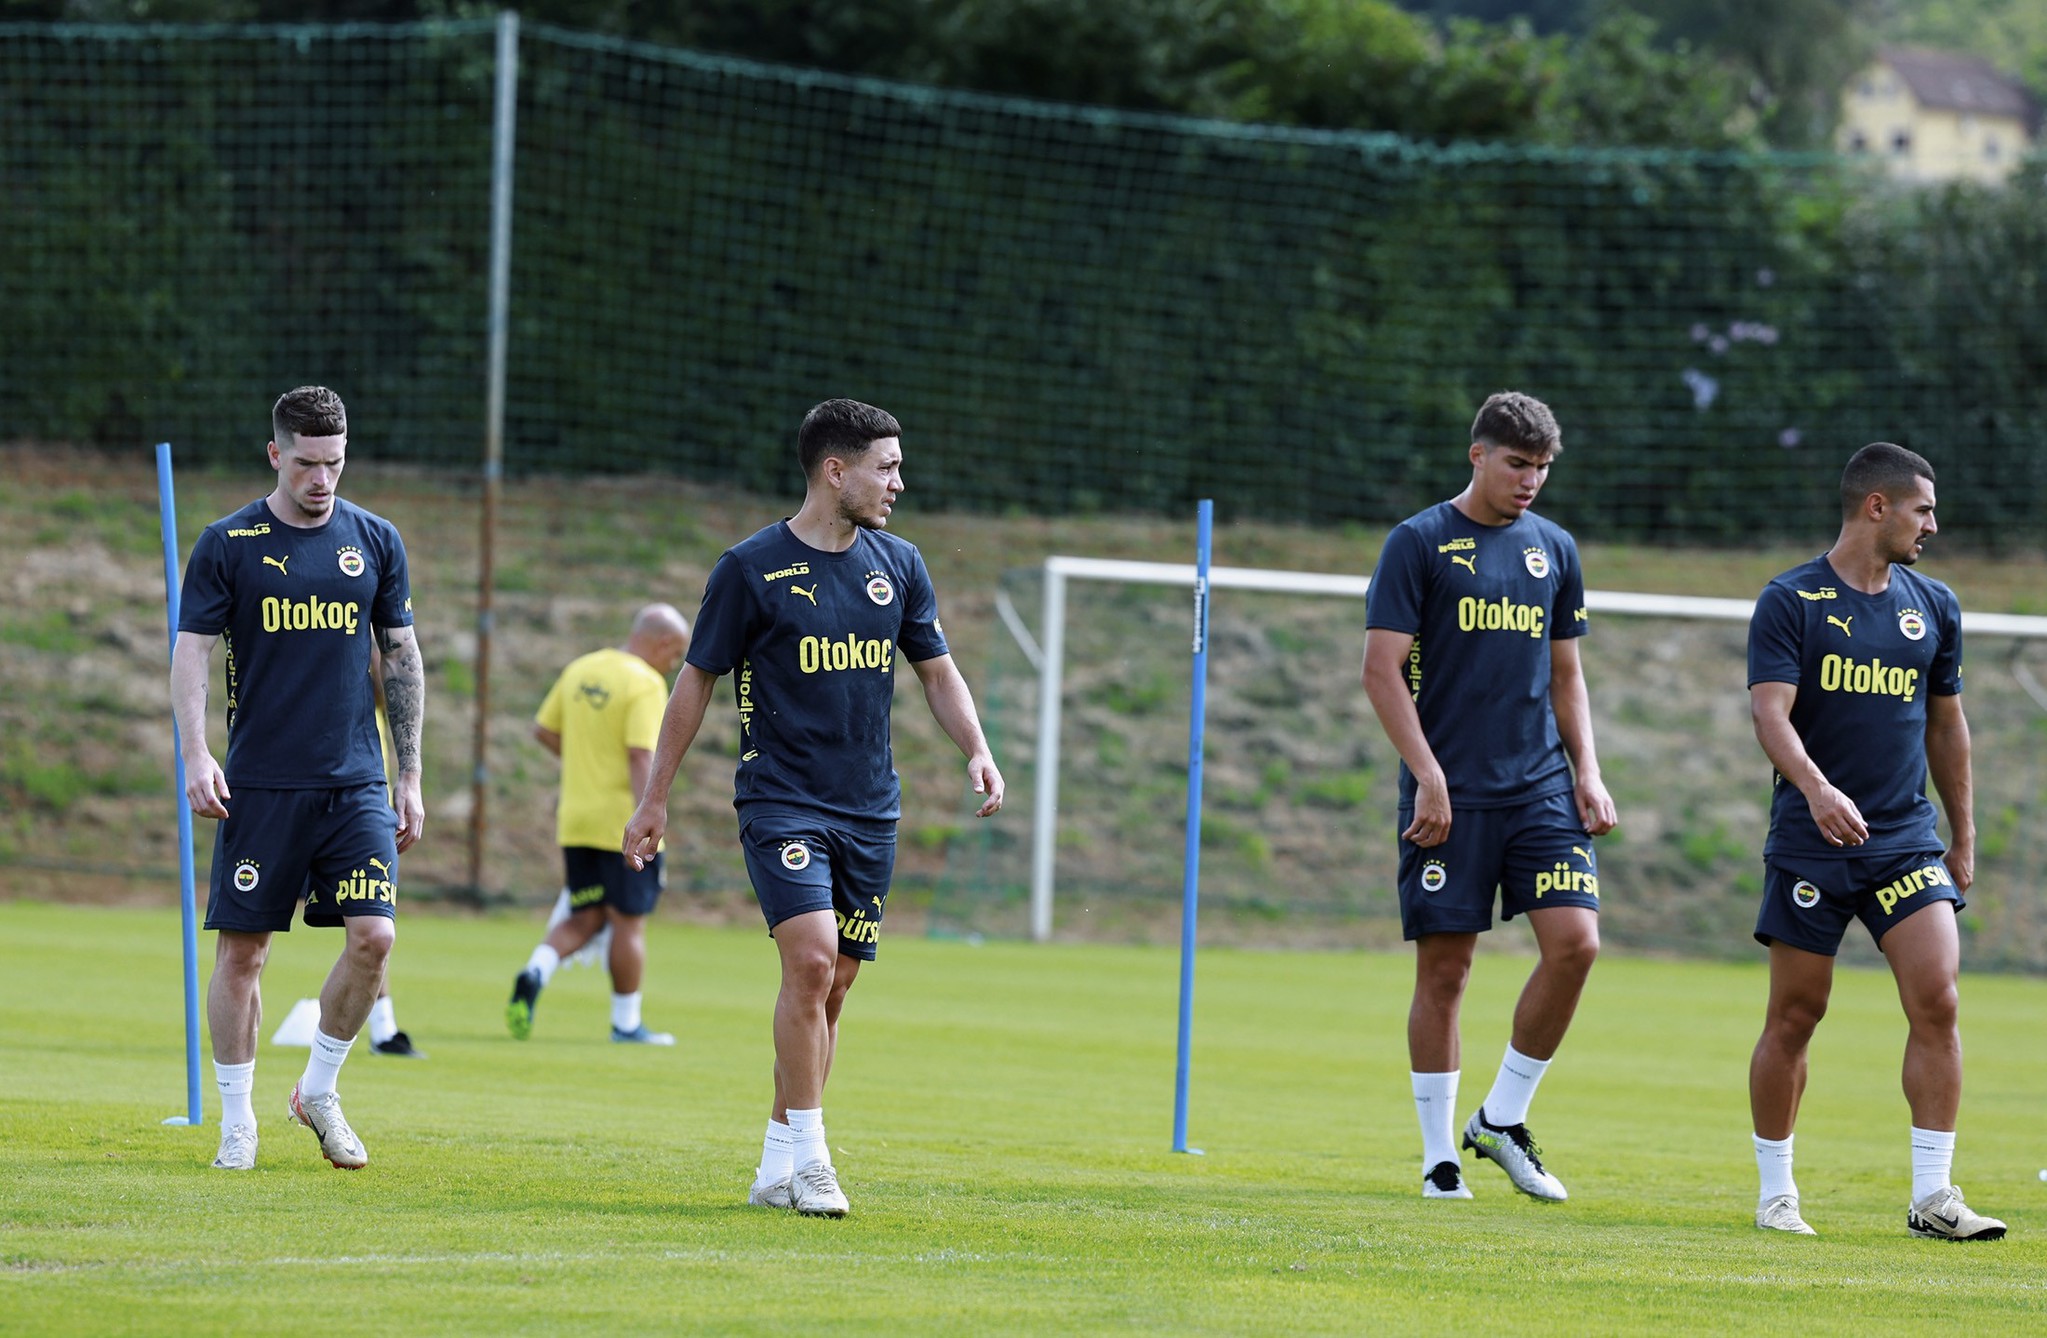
(660,636)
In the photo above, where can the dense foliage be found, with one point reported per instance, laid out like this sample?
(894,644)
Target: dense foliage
(1091,309)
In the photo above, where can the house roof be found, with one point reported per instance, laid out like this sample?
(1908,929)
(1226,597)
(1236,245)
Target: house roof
(1956,82)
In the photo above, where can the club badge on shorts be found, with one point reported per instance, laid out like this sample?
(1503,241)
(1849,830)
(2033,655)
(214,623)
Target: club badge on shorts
(1434,875)
(795,856)
(1805,894)
(247,874)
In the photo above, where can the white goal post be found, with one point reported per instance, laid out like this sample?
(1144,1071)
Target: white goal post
(1049,658)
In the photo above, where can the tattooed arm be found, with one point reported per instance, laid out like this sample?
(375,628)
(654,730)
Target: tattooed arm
(405,702)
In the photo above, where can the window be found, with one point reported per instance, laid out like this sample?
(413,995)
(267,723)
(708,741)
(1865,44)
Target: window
(1901,142)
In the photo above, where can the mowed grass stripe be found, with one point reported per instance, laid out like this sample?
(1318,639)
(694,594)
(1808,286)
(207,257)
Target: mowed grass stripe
(1002,1116)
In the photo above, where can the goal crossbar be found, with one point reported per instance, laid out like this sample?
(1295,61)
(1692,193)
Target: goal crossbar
(1051,655)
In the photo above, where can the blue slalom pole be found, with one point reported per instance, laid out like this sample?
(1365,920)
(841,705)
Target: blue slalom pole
(167,519)
(1190,896)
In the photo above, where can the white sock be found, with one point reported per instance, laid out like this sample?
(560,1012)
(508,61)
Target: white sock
(236,1081)
(383,1021)
(323,1066)
(544,960)
(1435,1102)
(1773,1164)
(625,1011)
(1513,1089)
(806,1133)
(1933,1160)
(778,1155)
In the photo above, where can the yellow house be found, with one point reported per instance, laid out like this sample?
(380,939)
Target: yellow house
(1938,116)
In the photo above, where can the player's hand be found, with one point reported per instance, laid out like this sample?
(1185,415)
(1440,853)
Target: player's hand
(643,833)
(1961,864)
(988,781)
(1431,825)
(1837,817)
(206,786)
(1595,806)
(411,810)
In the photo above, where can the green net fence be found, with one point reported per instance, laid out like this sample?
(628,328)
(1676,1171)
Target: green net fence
(1070,309)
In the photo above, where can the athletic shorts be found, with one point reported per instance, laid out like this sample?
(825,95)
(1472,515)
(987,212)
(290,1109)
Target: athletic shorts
(1536,855)
(334,850)
(801,863)
(1808,900)
(603,878)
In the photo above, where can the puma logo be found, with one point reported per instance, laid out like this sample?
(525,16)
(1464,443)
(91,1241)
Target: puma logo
(1582,853)
(1469,564)
(810,594)
(278,562)
(1842,623)
(382,867)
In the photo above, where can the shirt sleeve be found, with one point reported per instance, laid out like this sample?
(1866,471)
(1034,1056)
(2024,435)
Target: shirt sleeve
(643,714)
(921,637)
(1568,617)
(1776,636)
(206,595)
(549,716)
(394,584)
(725,620)
(1944,678)
(1399,584)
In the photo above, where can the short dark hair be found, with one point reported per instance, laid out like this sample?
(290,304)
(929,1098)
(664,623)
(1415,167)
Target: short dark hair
(307,411)
(842,428)
(1523,422)
(1880,467)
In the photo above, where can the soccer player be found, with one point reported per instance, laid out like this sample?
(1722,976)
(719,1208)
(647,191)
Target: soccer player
(1471,664)
(1855,681)
(298,583)
(601,718)
(814,612)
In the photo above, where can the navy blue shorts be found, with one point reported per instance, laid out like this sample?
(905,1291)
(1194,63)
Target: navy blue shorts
(1536,855)
(1808,900)
(603,878)
(334,850)
(800,864)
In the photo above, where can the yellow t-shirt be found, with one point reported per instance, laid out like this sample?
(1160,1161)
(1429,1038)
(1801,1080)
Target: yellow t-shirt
(604,703)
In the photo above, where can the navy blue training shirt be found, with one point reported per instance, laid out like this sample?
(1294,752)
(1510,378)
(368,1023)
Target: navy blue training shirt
(813,637)
(1864,666)
(1483,603)
(295,608)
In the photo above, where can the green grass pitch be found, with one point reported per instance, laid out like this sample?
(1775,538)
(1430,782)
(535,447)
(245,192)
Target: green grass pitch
(1001,1117)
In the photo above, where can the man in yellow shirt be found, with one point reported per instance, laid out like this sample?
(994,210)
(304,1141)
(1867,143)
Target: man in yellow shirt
(601,719)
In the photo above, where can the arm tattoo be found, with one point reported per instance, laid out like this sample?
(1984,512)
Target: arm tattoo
(404,692)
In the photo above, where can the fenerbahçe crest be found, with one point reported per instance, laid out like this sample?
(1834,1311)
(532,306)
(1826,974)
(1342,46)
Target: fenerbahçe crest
(351,561)
(247,874)
(795,856)
(1912,623)
(1434,875)
(879,590)
(1805,894)
(1536,561)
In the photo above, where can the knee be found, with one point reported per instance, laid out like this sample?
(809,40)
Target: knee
(370,939)
(1574,954)
(1938,1008)
(1441,984)
(240,957)
(808,972)
(1792,1022)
